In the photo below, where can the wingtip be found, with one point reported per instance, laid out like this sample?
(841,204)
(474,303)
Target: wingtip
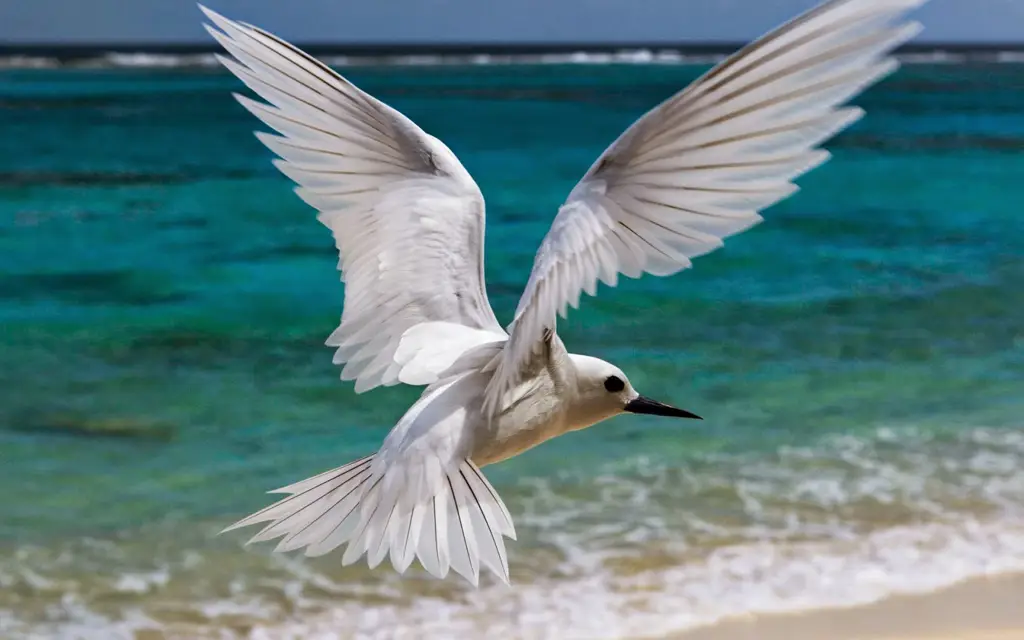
(916,4)
(912,29)
(253,106)
(224,24)
(213,32)
(208,12)
(503,576)
(225,61)
(232,527)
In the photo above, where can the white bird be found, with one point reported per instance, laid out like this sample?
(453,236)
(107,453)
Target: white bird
(408,222)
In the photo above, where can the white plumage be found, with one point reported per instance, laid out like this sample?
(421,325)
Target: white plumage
(408,222)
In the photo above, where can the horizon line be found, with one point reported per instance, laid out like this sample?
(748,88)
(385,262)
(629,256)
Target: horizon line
(69,51)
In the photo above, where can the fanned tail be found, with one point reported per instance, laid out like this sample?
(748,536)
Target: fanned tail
(379,511)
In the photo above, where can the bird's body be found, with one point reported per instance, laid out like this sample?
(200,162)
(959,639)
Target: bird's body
(547,403)
(408,222)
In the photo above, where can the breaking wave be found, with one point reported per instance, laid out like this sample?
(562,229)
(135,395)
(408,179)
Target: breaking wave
(641,549)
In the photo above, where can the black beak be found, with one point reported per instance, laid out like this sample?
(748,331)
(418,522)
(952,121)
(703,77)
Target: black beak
(641,404)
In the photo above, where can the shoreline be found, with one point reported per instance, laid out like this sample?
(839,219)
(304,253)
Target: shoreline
(988,608)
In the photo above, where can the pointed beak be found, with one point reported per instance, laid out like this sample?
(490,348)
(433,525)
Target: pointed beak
(641,404)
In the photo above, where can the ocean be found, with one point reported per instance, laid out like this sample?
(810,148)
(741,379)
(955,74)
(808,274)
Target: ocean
(164,298)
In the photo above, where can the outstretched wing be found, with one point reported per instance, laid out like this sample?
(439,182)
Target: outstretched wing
(407,218)
(700,166)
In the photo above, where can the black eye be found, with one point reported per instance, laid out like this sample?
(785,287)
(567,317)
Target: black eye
(614,384)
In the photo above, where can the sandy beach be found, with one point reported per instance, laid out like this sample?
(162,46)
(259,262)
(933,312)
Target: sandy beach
(982,609)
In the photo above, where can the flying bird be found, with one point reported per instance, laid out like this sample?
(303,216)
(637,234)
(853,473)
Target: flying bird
(408,223)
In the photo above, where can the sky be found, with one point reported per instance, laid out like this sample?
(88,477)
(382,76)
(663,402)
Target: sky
(474,21)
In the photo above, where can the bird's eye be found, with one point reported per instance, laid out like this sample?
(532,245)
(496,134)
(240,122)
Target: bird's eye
(614,384)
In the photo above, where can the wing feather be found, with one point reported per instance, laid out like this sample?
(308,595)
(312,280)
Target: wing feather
(700,166)
(407,219)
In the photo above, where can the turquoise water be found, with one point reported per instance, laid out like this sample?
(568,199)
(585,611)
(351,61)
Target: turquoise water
(164,298)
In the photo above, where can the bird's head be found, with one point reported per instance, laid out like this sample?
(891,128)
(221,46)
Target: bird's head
(603,391)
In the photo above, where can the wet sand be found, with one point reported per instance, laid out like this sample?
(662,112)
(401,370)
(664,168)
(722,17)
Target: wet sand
(981,609)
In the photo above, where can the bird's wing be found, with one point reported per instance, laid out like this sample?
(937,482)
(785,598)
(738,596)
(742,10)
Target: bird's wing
(699,166)
(407,218)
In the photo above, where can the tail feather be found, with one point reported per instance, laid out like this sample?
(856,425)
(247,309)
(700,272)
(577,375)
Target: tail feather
(490,542)
(381,512)
(428,549)
(402,557)
(340,517)
(465,553)
(339,528)
(300,516)
(488,497)
(302,485)
(303,493)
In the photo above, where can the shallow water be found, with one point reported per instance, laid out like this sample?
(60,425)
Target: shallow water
(164,297)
